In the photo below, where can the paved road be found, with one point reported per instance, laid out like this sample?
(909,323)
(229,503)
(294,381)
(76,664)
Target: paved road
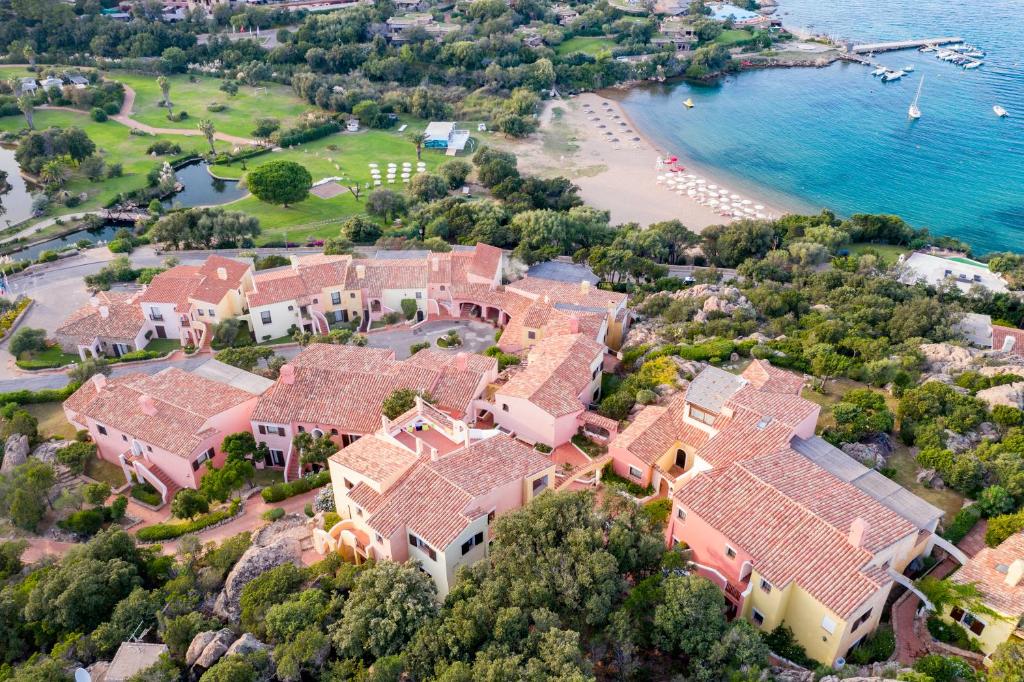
(476,336)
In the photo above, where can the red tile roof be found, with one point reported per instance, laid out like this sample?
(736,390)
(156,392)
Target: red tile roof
(379,459)
(988,570)
(202,282)
(344,386)
(577,294)
(556,373)
(791,529)
(1000,336)
(656,428)
(124,319)
(183,402)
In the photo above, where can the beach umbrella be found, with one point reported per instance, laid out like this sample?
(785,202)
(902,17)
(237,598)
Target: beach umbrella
(734,197)
(715,187)
(746,202)
(759,215)
(713,202)
(691,192)
(701,181)
(758,207)
(661,177)
(373,165)
(679,192)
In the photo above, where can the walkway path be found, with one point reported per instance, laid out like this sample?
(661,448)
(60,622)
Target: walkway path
(124,117)
(909,644)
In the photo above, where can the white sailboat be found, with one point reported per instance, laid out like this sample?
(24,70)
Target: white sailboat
(999,111)
(914,112)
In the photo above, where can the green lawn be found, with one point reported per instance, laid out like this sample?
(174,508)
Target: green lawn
(731,36)
(890,253)
(115,144)
(591,45)
(164,346)
(53,356)
(52,422)
(239,118)
(103,471)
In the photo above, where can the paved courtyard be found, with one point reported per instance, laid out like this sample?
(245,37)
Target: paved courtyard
(476,336)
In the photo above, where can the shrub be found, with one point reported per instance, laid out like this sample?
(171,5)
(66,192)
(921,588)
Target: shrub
(878,646)
(75,455)
(609,477)
(781,642)
(273,514)
(417,347)
(541,447)
(1002,527)
(299,136)
(646,396)
(950,633)
(27,340)
(391,318)
(962,523)
(282,491)
(98,115)
(658,510)
(137,355)
(163,148)
(85,522)
(409,308)
(144,492)
(216,107)
(945,668)
(119,246)
(166,531)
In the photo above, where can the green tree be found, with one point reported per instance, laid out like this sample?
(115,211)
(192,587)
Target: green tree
(428,187)
(189,503)
(455,172)
(385,204)
(386,607)
(266,590)
(1007,662)
(265,127)
(313,450)
(164,84)
(76,455)
(280,182)
(208,130)
(417,139)
(27,340)
(28,110)
(218,484)
(132,614)
(691,619)
(359,230)
(86,369)
(861,412)
(96,493)
(402,400)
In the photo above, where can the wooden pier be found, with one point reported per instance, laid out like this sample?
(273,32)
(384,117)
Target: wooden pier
(904,44)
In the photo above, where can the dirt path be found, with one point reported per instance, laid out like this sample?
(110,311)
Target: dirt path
(124,118)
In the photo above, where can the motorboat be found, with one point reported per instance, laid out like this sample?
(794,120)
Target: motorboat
(908,69)
(973,65)
(880,71)
(892,76)
(999,111)
(688,103)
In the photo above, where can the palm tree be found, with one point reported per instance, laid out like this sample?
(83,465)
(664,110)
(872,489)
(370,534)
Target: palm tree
(54,172)
(418,139)
(27,108)
(206,126)
(165,90)
(30,55)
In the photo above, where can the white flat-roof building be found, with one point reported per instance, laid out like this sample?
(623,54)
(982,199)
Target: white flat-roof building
(964,272)
(444,135)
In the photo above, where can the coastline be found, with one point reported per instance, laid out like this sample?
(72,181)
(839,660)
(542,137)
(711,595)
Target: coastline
(619,177)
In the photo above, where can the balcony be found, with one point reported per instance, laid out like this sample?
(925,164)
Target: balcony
(156,317)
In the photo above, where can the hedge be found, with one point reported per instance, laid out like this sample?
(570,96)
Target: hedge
(144,492)
(294,136)
(282,491)
(167,531)
(962,523)
(8,318)
(46,395)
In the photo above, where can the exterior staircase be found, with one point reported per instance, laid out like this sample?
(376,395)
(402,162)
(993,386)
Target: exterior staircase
(159,474)
(292,469)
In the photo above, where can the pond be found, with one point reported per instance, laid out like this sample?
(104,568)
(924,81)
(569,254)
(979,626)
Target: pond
(202,189)
(17,202)
(104,234)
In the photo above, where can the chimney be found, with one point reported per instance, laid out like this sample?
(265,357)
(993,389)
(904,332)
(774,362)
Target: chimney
(574,325)
(435,264)
(360,272)
(434,454)
(222,273)
(462,361)
(99,382)
(1014,573)
(104,311)
(858,531)
(287,374)
(147,405)
(584,287)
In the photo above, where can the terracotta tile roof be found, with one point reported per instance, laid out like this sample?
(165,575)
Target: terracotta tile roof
(557,371)
(436,498)
(656,428)
(787,539)
(567,292)
(486,261)
(307,277)
(988,570)
(183,402)
(366,497)
(742,436)
(787,408)
(202,282)
(124,319)
(377,458)
(764,377)
(1000,336)
(712,387)
(344,386)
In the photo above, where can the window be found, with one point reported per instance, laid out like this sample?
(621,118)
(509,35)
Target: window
(828,625)
(730,552)
(442,287)
(490,517)
(757,617)
(262,429)
(352,294)
(211,313)
(149,448)
(378,538)
(265,316)
(359,512)
(863,619)
(201,459)
(702,416)
(635,473)
(765,585)
(315,301)
(275,458)
(334,432)
(335,297)
(973,624)
(504,407)
(539,484)
(302,429)
(291,307)
(531,334)
(280,430)
(419,294)
(956,613)
(348,484)
(200,311)
(681,514)
(102,429)
(124,438)
(418,542)
(469,544)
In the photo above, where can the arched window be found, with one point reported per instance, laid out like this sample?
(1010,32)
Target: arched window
(317,433)
(681,458)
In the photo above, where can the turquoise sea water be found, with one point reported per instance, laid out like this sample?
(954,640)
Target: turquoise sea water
(837,138)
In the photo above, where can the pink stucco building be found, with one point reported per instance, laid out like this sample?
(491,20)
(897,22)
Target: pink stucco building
(161,428)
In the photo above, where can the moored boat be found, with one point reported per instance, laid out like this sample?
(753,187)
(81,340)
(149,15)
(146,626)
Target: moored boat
(999,111)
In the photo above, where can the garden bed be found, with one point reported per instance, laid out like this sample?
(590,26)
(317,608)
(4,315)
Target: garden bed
(168,531)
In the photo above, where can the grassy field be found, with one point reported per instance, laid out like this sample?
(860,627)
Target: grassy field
(115,144)
(890,253)
(52,422)
(731,36)
(344,155)
(591,45)
(239,118)
(103,471)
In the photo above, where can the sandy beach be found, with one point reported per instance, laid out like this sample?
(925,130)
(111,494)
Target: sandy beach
(620,177)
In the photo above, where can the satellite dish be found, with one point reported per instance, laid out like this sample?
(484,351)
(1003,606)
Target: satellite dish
(82,675)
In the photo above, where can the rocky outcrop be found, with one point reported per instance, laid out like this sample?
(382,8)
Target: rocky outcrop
(948,359)
(196,646)
(246,644)
(961,442)
(288,526)
(217,647)
(15,452)
(47,452)
(930,478)
(256,561)
(1011,395)
(865,454)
